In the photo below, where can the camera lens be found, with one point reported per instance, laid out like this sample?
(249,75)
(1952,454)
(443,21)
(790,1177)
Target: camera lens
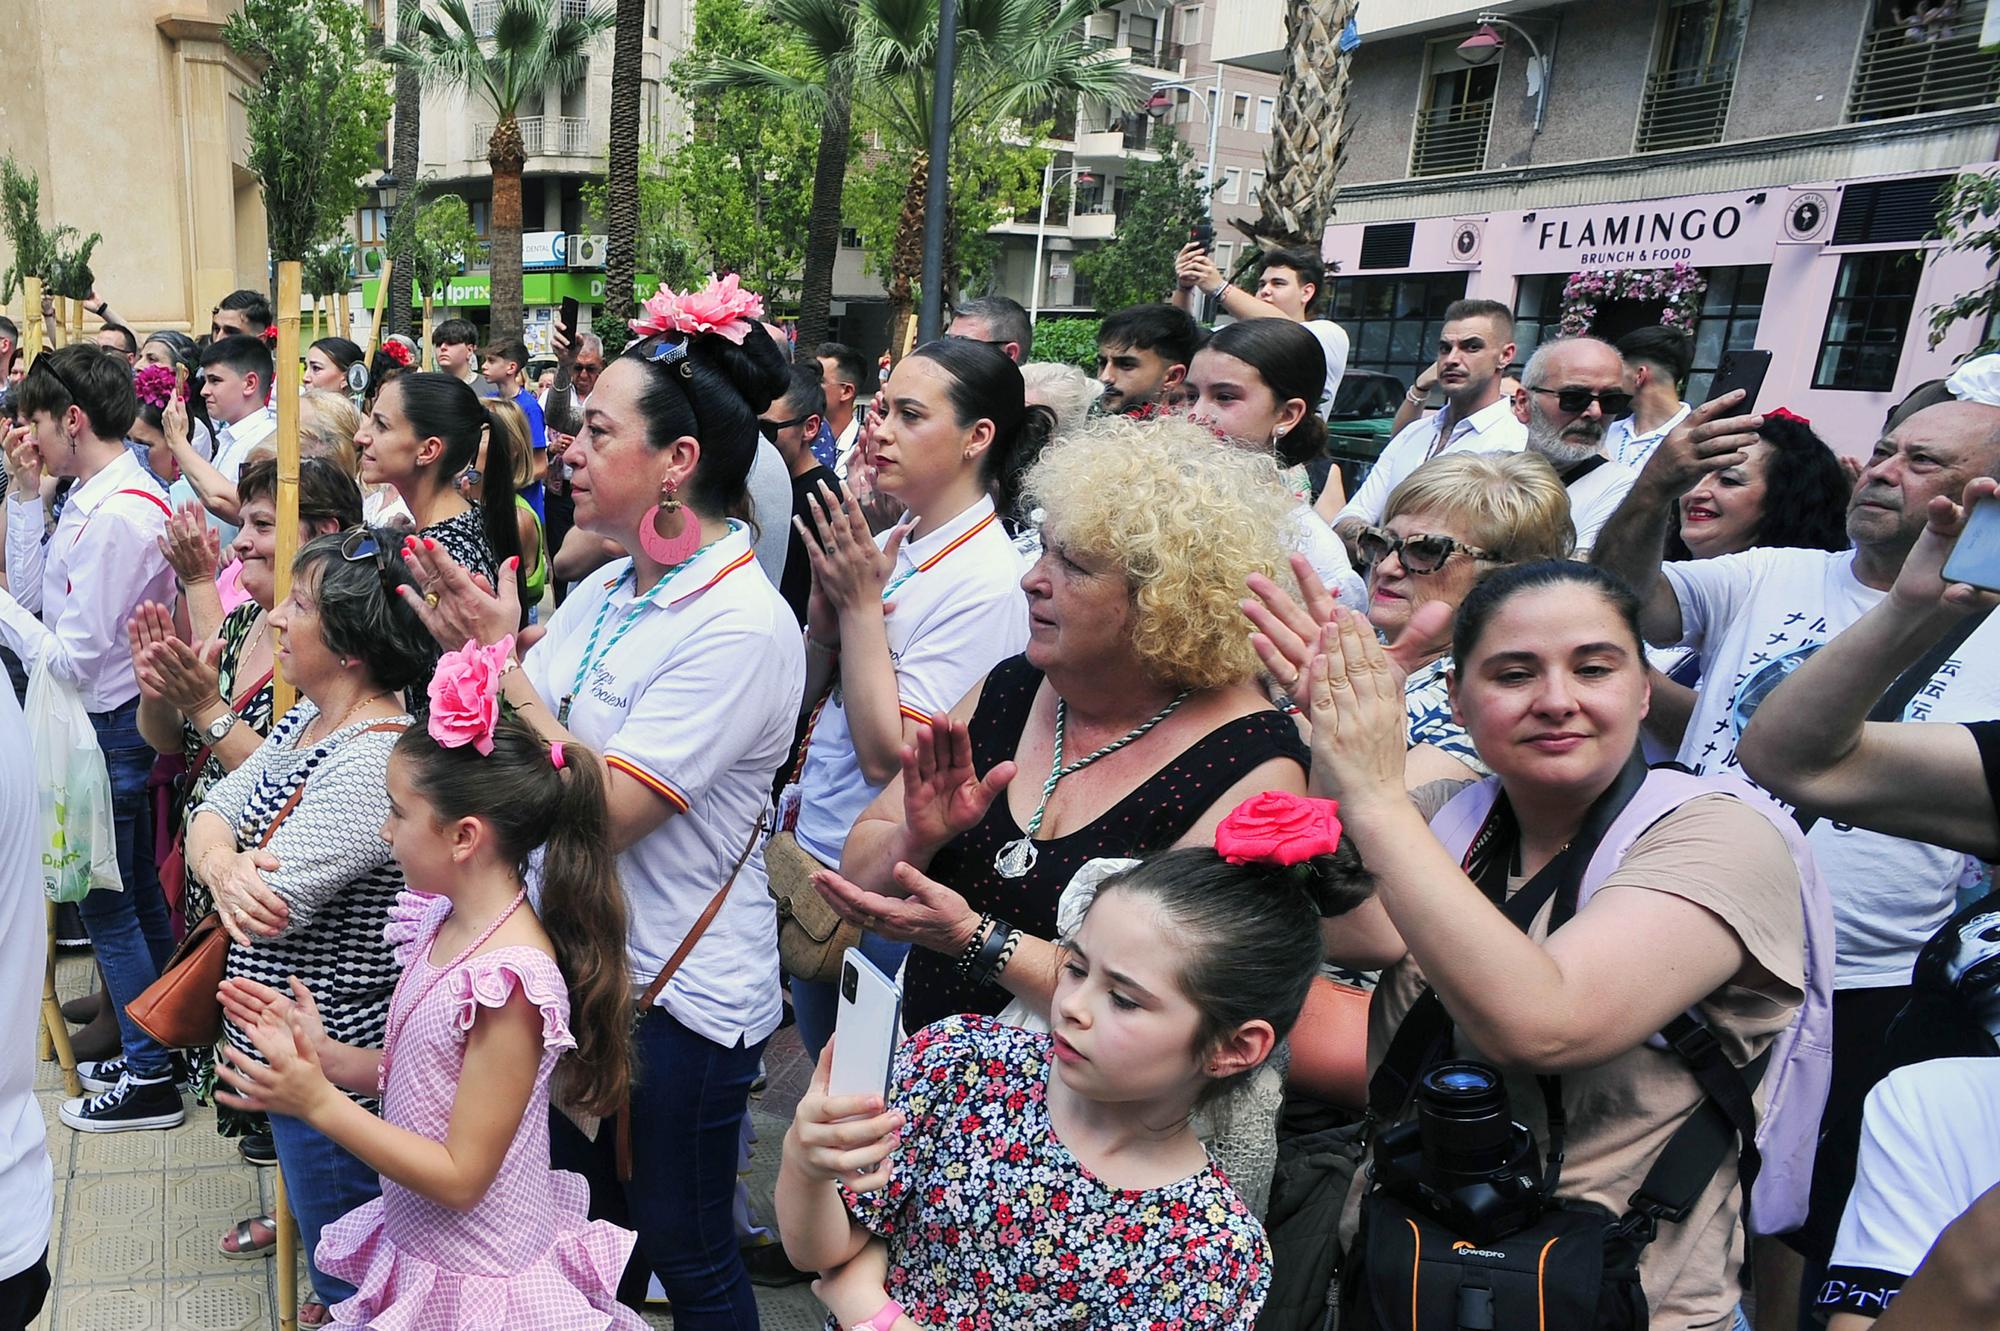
(1465,1124)
(1464,1079)
(850,981)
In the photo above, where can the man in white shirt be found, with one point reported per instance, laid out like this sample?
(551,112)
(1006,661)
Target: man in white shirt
(844,375)
(100,563)
(1475,348)
(26,1178)
(236,385)
(1755,617)
(1657,360)
(1569,389)
(1287,287)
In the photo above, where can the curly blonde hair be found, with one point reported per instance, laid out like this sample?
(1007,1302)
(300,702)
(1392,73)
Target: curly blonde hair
(1186,519)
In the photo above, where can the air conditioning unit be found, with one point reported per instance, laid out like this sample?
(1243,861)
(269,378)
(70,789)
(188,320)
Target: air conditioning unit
(587,251)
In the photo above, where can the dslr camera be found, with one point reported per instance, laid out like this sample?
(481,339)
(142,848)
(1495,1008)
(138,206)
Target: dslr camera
(1464,1159)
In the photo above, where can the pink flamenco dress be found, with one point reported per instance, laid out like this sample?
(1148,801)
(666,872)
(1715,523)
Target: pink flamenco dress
(527,1254)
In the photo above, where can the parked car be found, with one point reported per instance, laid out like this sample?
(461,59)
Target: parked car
(1358,426)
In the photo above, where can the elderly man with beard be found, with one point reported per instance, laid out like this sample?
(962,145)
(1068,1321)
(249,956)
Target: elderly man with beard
(1755,618)
(1571,391)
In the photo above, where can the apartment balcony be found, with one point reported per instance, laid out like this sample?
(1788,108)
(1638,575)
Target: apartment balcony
(1451,140)
(1685,108)
(1896,76)
(1159,60)
(1094,225)
(541,136)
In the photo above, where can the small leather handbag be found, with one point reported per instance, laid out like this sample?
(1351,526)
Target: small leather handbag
(811,938)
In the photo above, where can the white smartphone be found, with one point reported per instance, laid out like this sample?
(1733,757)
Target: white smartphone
(1975,557)
(865,1029)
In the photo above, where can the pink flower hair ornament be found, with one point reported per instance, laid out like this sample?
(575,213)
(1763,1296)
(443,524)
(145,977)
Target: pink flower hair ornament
(1279,829)
(722,307)
(465,695)
(154,385)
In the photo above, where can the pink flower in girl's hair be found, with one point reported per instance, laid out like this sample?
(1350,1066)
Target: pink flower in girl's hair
(1277,828)
(722,307)
(465,695)
(154,385)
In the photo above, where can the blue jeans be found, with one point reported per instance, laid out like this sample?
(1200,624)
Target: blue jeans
(689,1096)
(815,1004)
(129,929)
(323,1183)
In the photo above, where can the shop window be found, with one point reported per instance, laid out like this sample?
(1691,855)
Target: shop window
(1537,315)
(1686,102)
(1457,109)
(1393,323)
(1918,58)
(1873,298)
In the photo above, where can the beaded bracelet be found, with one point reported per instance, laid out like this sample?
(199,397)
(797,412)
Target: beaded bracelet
(977,943)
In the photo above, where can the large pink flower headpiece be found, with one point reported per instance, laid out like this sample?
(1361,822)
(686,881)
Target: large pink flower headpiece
(154,385)
(1279,828)
(465,695)
(722,307)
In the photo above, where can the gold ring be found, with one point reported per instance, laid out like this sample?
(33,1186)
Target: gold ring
(430,598)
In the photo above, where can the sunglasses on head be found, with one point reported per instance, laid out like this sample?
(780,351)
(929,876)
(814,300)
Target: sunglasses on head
(1575,400)
(361,544)
(1419,554)
(771,429)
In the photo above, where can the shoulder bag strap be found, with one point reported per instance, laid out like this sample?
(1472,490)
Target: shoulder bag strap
(1891,704)
(285,810)
(1726,1117)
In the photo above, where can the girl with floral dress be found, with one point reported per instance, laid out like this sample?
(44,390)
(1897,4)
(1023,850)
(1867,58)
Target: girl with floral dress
(1052,1179)
(473,1229)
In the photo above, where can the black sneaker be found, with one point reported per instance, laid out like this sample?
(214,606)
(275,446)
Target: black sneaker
(69,926)
(127,1107)
(258,1149)
(770,1268)
(99,1075)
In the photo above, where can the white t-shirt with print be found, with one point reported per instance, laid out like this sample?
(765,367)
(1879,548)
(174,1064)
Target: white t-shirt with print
(26,1177)
(1930,1145)
(698,703)
(1755,617)
(949,625)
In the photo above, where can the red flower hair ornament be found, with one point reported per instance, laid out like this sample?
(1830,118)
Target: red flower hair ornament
(1279,829)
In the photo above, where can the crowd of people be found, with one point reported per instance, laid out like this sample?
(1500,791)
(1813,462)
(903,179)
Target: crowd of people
(1629,759)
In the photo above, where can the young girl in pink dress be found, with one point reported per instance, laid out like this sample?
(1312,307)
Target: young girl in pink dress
(473,1229)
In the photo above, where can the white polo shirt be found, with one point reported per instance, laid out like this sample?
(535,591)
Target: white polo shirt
(958,611)
(234,442)
(1491,429)
(1623,444)
(697,702)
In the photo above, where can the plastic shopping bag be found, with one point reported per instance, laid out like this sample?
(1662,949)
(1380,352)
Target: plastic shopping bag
(79,844)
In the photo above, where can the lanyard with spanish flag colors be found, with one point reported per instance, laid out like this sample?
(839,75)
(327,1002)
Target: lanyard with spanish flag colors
(788,810)
(592,658)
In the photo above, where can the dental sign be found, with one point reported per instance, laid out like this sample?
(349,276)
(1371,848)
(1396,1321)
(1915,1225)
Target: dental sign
(1701,230)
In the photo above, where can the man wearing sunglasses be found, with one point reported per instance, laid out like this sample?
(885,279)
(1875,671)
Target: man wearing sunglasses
(791,424)
(1571,391)
(1474,349)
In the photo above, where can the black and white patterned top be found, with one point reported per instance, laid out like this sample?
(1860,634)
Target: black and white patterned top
(463,537)
(334,871)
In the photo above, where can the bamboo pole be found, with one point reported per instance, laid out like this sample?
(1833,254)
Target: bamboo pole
(344,328)
(76,319)
(31,327)
(430,358)
(381,299)
(55,1031)
(288,1251)
(288,453)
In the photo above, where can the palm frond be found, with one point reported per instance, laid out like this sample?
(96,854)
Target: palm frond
(825,28)
(725,73)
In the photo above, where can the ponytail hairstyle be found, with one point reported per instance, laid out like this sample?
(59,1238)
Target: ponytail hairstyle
(711,371)
(986,384)
(1248,932)
(444,406)
(1293,365)
(531,802)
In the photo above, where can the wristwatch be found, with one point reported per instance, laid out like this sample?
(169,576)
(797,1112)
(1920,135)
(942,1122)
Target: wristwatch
(218,730)
(881,1321)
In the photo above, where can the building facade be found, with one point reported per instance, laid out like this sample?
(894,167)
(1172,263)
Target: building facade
(1787,154)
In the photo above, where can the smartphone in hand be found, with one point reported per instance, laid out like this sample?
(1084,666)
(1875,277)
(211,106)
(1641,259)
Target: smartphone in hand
(1740,369)
(866,1027)
(566,321)
(1975,558)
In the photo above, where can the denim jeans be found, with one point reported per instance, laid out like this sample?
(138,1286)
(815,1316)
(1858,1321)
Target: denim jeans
(815,1004)
(689,1096)
(129,930)
(323,1183)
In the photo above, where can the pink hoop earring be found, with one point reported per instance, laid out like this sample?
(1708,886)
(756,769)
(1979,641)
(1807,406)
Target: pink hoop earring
(666,533)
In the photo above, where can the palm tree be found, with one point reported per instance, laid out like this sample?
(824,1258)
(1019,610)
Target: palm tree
(621,176)
(404,161)
(1309,129)
(533,43)
(1014,57)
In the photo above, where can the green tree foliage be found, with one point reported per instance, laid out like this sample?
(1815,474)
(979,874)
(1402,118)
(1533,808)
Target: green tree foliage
(316,115)
(328,268)
(58,255)
(1969,219)
(1163,200)
(992,179)
(1068,341)
(442,242)
(734,193)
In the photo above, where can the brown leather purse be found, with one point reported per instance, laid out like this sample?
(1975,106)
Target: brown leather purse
(811,938)
(182,1009)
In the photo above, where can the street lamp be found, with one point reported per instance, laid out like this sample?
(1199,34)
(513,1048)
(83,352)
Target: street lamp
(1049,173)
(387,186)
(1486,43)
(1159,98)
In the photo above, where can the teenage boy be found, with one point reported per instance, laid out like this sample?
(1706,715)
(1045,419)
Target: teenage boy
(1142,357)
(455,343)
(501,368)
(1288,286)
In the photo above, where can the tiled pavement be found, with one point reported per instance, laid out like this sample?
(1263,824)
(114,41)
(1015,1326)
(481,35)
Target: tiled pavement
(137,1216)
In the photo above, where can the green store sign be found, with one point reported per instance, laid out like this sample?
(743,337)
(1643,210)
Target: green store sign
(473,289)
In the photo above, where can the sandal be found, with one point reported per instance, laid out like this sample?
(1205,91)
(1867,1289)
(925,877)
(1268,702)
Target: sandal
(252,1238)
(315,1314)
